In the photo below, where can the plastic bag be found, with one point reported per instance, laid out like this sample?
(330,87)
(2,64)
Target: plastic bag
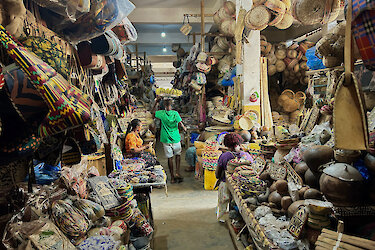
(103,16)
(46,174)
(313,62)
(126,31)
(72,9)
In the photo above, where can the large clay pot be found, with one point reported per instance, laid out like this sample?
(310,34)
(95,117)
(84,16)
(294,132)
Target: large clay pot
(342,185)
(301,169)
(317,156)
(311,179)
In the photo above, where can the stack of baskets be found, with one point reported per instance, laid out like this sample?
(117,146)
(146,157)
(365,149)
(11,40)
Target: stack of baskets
(210,158)
(266,13)
(291,61)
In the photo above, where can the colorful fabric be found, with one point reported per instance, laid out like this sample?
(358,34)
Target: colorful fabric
(363,30)
(25,97)
(132,141)
(68,106)
(49,51)
(169,126)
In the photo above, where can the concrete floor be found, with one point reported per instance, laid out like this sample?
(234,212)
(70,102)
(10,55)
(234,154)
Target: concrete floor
(186,219)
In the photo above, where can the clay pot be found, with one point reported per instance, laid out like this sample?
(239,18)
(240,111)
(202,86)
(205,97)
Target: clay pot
(311,179)
(301,169)
(317,156)
(301,192)
(294,206)
(282,187)
(347,156)
(275,198)
(342,185)
(286,201)
(370,162)
(312,193)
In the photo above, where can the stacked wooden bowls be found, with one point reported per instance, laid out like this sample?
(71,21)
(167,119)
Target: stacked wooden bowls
(310,12)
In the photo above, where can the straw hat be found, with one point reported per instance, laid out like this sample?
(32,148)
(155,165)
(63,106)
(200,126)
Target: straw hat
(288,4)
(257,18)
(280,66)
(217,19)
(222,117)
(246,123)
(272,70)
(286,22)
(223,15)
(202,57)
(217,49)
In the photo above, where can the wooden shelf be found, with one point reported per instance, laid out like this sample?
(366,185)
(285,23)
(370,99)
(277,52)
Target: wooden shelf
(257,234)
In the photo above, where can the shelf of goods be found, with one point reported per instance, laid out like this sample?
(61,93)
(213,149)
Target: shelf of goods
(256,231)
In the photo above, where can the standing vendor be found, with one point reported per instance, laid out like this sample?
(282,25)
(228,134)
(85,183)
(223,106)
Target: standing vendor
(170,136)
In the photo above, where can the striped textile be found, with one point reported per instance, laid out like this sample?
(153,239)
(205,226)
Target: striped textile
(363,26)
(68,106)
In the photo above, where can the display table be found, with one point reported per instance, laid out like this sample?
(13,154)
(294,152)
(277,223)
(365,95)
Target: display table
(257,234)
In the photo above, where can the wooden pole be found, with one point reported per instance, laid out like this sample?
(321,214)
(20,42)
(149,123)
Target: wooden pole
(194,38)
(202,26)
(136,56)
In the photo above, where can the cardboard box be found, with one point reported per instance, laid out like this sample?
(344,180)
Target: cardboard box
(99,163)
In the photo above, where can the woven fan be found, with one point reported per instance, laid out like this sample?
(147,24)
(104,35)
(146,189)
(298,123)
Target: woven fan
(276,171)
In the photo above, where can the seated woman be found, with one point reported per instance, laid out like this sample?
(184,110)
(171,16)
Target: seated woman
(134,144)
(232,141)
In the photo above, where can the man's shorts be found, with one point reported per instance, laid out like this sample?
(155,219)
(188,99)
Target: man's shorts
(172,149)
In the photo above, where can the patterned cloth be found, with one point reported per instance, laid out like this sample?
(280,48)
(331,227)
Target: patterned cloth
(363,26)
(132,141)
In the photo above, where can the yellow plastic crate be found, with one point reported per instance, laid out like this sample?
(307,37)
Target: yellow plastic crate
(209,179)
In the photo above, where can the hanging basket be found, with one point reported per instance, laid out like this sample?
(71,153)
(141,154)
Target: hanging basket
(257,18)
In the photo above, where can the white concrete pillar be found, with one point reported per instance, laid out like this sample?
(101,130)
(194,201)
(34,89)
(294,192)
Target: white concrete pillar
(249,71)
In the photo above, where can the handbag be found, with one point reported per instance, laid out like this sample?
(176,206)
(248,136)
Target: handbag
(68,106)
(186,27)
(363,32)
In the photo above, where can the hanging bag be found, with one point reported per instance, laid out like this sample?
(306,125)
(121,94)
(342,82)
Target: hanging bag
(186,27)
(349,116)
(68,106)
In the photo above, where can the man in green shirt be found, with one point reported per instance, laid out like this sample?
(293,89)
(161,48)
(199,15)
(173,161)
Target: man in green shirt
(170,135)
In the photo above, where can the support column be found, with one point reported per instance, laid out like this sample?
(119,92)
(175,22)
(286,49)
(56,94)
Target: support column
(249,71)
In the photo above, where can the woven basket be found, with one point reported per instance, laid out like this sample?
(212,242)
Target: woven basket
(217,49)
(280,52)
(291,53)
(222,42)
(217,19)
(280,66)
(278,9)
(230,8)
(331,61)
(271,58)
(286,22)
(257,18)
(228,27)
(271,70)
(310,12)
(210,159)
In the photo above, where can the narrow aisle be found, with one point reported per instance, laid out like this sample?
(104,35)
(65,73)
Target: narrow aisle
(186,218)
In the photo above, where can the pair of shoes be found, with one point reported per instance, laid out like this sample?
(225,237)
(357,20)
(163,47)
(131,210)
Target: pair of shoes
(190,169)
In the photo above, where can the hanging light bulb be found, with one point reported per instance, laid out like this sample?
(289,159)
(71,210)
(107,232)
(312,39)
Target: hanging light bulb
(164,49)
(163,34)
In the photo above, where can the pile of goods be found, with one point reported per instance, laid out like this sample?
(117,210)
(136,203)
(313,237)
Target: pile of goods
(269,13)
(225,18)
(219,113)
(291,61)
(331,47)
(80,213)
(168,92)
